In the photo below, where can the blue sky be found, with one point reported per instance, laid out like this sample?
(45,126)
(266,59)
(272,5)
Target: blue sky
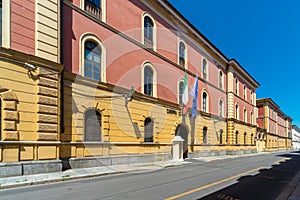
(262,35)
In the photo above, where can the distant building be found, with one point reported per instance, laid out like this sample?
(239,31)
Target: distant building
(277,125)
(296,137)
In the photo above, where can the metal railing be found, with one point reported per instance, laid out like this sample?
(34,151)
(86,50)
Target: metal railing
(93,9)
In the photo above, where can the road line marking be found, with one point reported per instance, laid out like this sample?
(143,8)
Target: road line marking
(212,184)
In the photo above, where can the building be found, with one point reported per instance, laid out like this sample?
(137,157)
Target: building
(30,76)
(276,123)
(104,57)
(81,86)
(295,137)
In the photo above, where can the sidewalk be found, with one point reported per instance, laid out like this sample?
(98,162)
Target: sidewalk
(71,174)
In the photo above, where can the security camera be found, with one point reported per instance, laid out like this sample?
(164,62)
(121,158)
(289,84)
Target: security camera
(30,66)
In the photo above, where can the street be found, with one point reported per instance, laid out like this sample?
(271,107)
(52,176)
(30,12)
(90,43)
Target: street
(263,176)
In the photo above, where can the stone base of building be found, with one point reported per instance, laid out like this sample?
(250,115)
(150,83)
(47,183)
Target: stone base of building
(220,153)
(74,163)
(29,167)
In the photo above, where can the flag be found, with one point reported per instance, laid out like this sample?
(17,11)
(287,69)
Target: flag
(194,94)
(185,94)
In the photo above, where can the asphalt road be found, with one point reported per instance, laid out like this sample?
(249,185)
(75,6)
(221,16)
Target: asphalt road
(254,177)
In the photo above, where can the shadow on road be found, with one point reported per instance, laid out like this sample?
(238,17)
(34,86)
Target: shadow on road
(268,184)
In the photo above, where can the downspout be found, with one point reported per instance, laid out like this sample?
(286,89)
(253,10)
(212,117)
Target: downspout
(62,110)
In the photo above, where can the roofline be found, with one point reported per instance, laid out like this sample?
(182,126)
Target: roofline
(240,68)
(296,128)
(270,100)
(192,28)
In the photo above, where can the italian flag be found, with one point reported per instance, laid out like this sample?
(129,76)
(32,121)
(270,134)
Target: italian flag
(185,94)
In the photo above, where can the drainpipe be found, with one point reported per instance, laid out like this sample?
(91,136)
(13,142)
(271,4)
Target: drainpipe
(62,110)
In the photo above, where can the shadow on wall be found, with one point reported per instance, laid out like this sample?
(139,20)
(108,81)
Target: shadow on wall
(268,184)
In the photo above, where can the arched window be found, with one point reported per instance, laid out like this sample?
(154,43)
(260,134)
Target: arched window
(148,81)
(236,111)
(204,135)
(252,141)
(204,102)
(245,115)
(221,108)
(220,80)
(251,97)
(148,32)
(92,60)
(180,91)
(251,117)
(148,130)
(204,69)
(245,138)
(93,126)
(236,137)
(182,55)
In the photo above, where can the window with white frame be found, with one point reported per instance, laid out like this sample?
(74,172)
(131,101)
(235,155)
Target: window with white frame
(180,91)
(220,80)
(204,69)
(221,108)
(148,81)
(251,97)
(204,102)
(182,54)
(245,115)
(237,111)
(236,86)
(251,117)
(92,60)
(245,92)
(148,32)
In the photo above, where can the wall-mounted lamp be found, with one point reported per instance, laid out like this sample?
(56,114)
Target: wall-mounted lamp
(30,66)
(129,97)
